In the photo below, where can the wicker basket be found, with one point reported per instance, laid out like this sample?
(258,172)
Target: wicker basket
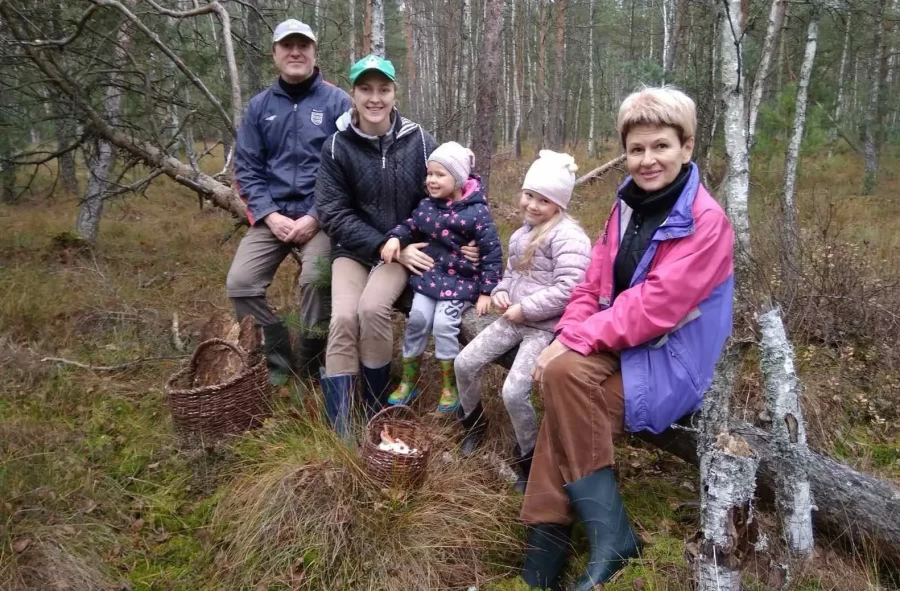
(393,469)
(239,403)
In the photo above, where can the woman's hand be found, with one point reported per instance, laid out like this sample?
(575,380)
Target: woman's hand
(483,305)
(551,352)
(501,300)
(391,250)
(414,259)
(471,253)
(515,314)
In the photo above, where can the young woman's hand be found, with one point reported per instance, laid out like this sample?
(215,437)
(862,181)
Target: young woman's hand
(501,300)
(471,253)
(515,314)
(550,352)
(414,259)
(391,250)
(483,305)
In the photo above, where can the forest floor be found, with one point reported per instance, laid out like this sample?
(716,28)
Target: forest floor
(98,492)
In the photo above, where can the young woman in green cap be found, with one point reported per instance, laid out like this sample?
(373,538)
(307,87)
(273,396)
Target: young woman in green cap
(371,178)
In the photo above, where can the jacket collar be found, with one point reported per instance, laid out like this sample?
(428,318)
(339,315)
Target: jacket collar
(680,222)
(276,87)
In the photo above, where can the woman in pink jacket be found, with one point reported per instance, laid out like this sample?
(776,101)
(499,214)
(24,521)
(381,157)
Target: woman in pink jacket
(636,346)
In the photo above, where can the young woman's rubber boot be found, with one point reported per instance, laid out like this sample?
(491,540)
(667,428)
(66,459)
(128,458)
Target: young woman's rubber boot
(278,352)
(475,425)
(407,391)
(339,392)
(522,462)
(449,401)
(546,555)
(375,385)
(599,506)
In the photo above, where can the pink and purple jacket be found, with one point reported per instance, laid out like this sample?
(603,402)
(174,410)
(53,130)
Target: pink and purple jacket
(670,326)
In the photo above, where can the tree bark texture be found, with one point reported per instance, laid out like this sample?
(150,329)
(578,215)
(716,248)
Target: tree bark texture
(854,508)
(790,230)
(377,27)
(773,35)
(871,147)
(736,186)
(592,140)
(841,83)
(486,99)
(783,390)
(87,223)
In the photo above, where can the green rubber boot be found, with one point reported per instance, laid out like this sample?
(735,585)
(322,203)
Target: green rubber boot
(449,401)
(407,391)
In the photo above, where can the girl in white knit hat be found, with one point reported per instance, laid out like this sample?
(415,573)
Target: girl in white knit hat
(454,214)
(548,256)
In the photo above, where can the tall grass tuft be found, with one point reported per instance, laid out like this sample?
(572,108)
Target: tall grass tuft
(305,514)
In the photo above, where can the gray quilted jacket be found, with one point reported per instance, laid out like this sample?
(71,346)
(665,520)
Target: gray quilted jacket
(558,265)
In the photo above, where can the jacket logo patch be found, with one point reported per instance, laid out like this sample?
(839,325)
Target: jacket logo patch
(316,116)
(271,117)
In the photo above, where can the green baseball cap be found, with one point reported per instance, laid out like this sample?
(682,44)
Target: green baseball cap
(372,62)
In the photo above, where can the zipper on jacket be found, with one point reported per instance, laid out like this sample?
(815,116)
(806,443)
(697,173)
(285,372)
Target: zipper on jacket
(294,143)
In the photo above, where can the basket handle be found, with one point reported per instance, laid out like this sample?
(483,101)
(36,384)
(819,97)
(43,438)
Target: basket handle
(391,410)
(209,343)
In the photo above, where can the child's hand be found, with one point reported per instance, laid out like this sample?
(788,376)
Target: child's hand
(391,250)
(483,305)
(515,314)
(501,300)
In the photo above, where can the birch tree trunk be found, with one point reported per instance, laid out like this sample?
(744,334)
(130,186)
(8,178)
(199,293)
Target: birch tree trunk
(790,230)
(65,134)
(352,32)
(541,77)
(406,12)
(592,140)
(517,83)
(671,28)
(736,186)
(253,61)
(773,35)
(842,75)
(727,484)
(871,146)
(783,402)
(463,129)
(87,224)
(486,97)
(377,27)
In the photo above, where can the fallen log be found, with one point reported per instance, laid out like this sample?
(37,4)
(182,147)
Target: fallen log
(851,507)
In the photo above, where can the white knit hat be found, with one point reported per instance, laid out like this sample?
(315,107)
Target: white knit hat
(457,159)
(553,176)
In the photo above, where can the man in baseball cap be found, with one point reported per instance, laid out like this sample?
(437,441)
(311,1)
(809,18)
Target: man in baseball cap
(276,162)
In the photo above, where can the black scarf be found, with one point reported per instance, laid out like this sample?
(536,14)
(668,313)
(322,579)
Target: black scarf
(649,211)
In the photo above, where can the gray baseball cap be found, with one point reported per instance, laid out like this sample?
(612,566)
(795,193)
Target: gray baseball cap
(292,27)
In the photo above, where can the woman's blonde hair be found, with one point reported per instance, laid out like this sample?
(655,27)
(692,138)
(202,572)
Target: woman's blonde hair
(538,233)
(659,106)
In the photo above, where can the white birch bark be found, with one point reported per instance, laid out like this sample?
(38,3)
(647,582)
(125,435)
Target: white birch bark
(790,231)
(773,34)
(783,402)
(592,140)
(87,224)
(464,130)
(727,483)
(352,31)
(842,74)
(517,93)
(377,28)
(870,145)
(736,186)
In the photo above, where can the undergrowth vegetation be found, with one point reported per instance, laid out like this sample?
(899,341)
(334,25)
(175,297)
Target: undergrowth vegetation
(98,492)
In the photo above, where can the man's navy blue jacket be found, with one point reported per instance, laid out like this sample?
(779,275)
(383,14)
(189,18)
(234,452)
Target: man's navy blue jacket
(279,146)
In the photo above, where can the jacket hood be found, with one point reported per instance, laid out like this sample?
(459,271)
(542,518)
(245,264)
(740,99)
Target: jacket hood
(472,194)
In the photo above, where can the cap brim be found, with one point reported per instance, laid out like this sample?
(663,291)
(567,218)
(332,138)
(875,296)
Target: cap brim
(367,70)
(289,33)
